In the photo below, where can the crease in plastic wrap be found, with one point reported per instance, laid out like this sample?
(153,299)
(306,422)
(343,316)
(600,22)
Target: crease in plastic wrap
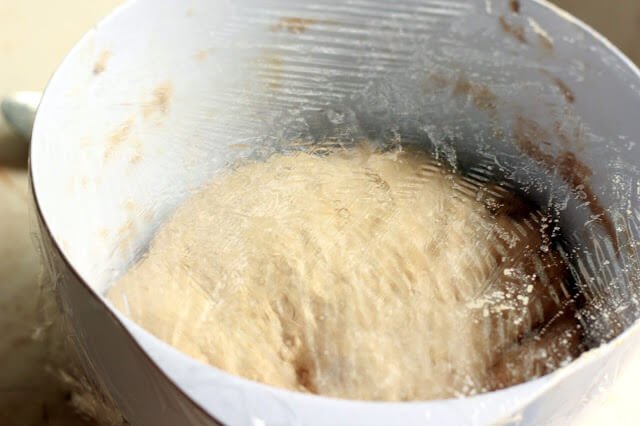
(356,200)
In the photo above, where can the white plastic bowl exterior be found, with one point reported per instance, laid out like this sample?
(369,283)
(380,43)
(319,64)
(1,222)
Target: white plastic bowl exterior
(161,87)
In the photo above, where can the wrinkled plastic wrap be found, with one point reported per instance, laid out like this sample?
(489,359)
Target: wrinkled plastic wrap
(162,99)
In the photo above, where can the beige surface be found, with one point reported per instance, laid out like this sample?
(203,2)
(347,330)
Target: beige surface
(34,37)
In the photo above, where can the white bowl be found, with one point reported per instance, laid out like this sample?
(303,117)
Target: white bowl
(161,95)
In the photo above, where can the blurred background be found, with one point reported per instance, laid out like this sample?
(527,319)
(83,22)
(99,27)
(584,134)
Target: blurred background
(35,35)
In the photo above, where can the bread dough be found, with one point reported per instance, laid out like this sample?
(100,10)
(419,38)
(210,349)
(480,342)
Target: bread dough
(357,274)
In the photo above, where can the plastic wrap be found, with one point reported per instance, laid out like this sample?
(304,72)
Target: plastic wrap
(162,98)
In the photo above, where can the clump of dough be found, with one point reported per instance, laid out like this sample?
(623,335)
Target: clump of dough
(357,274)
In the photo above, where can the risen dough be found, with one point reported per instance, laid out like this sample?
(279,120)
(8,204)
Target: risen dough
(356,274)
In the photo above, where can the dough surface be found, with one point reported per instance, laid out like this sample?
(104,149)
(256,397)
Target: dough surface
(357,274)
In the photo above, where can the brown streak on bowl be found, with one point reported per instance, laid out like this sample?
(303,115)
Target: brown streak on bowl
(160,100)
(293,25)
(483,98)
(118,136)
(101,62)
(462,87)
(564,89)
(514,31)
(573,172)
